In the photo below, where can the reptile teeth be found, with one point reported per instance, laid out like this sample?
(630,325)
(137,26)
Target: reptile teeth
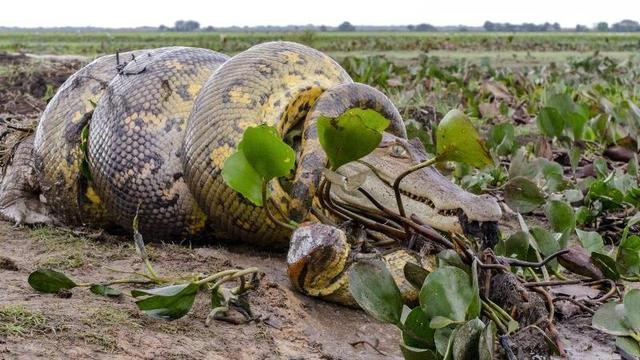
(421,199)
(424,200)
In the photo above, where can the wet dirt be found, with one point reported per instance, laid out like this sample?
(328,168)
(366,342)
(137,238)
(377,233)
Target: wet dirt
(90,326)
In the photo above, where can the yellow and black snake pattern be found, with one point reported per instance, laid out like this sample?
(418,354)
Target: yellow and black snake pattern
(135,141)
(57,146)
(150,137)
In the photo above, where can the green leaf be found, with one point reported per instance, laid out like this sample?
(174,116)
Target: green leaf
(473,311)
(458,140)
(447,292)
(522,165)
(217,299)
(350,136)
(631,222)
(632,309)
(242,177)
(416,331)
(574,158)
(628,258)
(502,139)
(415,274)
(606,264)
(633,197)
(414,353)
(601,168)
(448,355)
(168,302)
(450,257)
(269,156)
(550,122)
(261,156)
(104,290)
(576,122)
(438,322)
(547,243)
(442,337)
(374,289)
(50,281)
(562,103)
(516,245)
(573,195)
(486,342)
(590,240)
(523,195)
(609,318)
(465,344)
(609,196)
(405,312)
(553,174)
(629,345)
(561,216)
(632,166)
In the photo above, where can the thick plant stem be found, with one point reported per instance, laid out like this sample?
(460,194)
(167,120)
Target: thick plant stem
(325,198)
(234,273)
(488,311)
(265,203)
(499,310)
(237,274)
(119,281)
(396,183)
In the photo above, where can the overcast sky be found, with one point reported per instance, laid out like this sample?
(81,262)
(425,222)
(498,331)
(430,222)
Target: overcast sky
(132,13)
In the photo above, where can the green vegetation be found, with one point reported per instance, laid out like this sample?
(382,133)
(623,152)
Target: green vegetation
(18,320)
(562,144)
(92,43)
(174,297)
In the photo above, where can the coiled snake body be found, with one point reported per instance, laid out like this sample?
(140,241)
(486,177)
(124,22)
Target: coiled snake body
(150,137)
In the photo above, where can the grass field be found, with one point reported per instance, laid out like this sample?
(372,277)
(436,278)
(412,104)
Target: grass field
(92,43)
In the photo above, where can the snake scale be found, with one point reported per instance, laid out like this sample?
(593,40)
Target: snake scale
(147,133)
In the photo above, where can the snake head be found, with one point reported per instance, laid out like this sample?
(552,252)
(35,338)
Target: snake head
(320,258)
(317,256)
(426,193)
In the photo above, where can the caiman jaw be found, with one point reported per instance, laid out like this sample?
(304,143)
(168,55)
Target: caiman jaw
(434,199)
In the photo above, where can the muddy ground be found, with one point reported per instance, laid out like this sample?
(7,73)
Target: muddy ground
(89,326)
(34,325)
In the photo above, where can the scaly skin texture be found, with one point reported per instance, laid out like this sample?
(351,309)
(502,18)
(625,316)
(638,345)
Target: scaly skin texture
(272,83)
(135,141)
(57,142)
(165,125)
(332,103)
(320,256)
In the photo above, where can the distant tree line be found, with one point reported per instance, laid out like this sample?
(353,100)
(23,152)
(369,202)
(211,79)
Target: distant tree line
(422,27)
(186,26)
(622,26)
(507,27)
(347,26)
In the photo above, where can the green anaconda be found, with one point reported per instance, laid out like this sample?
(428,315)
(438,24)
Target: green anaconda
(150,137)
